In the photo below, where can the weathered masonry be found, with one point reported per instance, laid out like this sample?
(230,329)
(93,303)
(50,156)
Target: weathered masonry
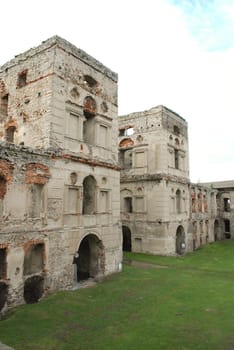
(153,153)
(161,211)
(59,173)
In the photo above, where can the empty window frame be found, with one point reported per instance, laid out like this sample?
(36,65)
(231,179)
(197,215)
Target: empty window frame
(128,204)
(22,79)
(176,158)
(178,201)
(226,204)
(4,106)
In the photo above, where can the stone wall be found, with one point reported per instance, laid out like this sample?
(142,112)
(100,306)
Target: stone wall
(59,173)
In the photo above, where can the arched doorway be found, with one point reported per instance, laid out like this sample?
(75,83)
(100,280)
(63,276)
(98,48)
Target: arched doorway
(33,289)
(90,258)
(127,239)
(180,240)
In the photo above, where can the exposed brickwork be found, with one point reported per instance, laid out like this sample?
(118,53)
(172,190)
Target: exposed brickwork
(37,174)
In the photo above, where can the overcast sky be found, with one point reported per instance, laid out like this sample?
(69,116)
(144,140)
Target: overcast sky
(179,53)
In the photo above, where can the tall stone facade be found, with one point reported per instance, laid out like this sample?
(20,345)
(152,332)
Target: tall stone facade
(153,153)
(62,193)
(161,211)
(59,173)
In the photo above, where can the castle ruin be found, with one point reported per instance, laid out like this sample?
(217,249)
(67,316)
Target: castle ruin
(78,184)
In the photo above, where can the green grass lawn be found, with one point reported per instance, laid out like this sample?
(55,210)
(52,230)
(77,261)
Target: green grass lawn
(186,304)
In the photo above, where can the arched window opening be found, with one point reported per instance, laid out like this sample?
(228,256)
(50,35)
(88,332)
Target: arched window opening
(10,132)
(90,107)
(89,195)
(127,239)
(180,240)
(89,261)
(178,201)
(91,82)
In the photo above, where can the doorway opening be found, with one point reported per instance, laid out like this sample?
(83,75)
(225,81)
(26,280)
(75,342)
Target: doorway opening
(127,239)
(180,240)
(33,289)
(90,259)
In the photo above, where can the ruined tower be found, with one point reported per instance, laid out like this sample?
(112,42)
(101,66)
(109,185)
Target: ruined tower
(155,208)
(59,174)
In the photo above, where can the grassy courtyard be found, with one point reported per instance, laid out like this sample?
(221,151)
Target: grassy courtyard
(155,303)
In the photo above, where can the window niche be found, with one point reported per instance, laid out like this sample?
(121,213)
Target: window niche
(22,79)
(89,111)
(3,189)
(226,204)
(104,201)
(4,107)
(176,158)
(178,201)
(89,195)
(34,259)
(37,200)
(128,204)
(10,134)
(90,81)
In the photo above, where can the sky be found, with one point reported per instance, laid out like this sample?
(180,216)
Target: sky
(176,53)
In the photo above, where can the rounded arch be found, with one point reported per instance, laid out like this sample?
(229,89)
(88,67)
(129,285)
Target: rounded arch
(89,107)
(89,195)
(33,289)
(89,260)
(180,240)
(126,142)
(127,239)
